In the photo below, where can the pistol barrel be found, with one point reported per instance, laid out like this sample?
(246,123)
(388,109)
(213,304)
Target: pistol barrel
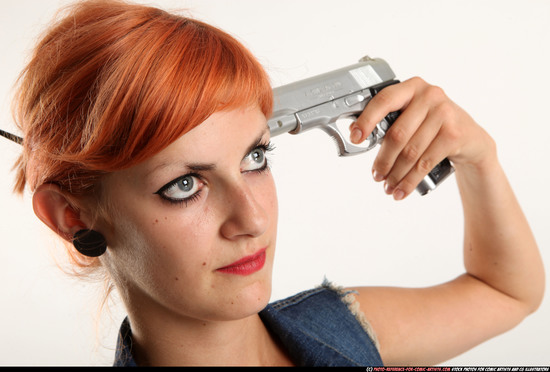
(303,95)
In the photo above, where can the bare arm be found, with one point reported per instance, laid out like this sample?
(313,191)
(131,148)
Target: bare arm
(504,278)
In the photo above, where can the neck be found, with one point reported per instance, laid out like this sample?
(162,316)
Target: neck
(243,342)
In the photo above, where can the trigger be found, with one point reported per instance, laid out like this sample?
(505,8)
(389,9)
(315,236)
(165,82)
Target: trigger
(372,139)
(345,148)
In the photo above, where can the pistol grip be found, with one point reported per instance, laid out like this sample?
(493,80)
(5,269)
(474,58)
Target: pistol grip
(437,175)
(440,172)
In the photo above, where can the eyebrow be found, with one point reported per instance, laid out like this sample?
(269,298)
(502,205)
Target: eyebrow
(192,167)
(205,167)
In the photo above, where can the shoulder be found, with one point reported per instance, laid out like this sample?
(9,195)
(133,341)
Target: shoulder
(325,325)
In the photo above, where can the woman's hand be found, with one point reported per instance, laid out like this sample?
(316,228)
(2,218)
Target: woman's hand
(430,128)
(504,278)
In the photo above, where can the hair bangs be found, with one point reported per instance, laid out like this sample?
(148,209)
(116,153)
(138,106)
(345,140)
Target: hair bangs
(181,79)
(112,84)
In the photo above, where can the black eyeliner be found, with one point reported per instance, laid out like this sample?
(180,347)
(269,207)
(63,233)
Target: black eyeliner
(174,181)
(260,142)
(180,202)
(265,146)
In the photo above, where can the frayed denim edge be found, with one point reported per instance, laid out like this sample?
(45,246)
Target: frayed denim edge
(348,298)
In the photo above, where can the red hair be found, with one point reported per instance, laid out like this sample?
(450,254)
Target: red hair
(113,83)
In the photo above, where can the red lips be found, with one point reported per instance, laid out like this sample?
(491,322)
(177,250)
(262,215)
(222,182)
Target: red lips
(246,265)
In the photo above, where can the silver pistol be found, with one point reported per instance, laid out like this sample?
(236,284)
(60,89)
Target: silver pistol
(322,100)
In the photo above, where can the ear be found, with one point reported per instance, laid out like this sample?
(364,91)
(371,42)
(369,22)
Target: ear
(51,205)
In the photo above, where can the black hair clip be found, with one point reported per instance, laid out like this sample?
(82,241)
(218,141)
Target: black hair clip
(12,137)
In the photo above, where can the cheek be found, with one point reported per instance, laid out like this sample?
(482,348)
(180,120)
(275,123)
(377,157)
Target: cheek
(268,195)
(179,239)
(159,247)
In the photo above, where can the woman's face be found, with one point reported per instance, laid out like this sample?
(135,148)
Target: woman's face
(194,227)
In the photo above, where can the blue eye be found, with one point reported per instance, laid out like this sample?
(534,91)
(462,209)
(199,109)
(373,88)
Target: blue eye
(256,160)
(183,189)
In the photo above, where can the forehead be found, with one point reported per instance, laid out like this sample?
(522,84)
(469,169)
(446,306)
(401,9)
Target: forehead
(222,132)
(220,143)
(223,136)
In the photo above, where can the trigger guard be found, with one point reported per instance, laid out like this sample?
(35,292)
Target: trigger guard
(345,148)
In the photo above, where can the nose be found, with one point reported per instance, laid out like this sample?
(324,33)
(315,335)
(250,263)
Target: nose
(245,215)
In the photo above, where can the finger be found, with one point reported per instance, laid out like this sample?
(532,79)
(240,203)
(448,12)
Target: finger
(413,150)
(397,138)
(391,98)
(433,155)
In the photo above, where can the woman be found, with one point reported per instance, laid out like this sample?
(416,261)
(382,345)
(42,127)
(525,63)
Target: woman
(145,145)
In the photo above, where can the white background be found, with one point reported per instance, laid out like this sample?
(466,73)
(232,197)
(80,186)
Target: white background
(491,57)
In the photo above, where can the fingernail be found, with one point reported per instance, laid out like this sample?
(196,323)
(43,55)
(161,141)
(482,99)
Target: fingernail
(356,135)
(398,194)
(377,176)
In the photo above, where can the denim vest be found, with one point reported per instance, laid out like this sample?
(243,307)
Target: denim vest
(316,327)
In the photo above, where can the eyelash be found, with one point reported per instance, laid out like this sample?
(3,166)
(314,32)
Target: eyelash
(267,147)
(188,200)
(185,201)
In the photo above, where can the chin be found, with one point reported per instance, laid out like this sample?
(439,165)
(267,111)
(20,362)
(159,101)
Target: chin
(250,300)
